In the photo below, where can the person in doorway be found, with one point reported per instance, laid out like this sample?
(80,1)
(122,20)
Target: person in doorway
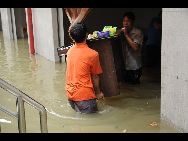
(131,40)
(83,67)
(153,44)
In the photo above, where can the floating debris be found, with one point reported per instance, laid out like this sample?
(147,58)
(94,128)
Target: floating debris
(5,121)
(153,124)
(124,131)
(50,98)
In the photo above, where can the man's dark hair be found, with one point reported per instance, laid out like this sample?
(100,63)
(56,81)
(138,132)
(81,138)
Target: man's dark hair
(78,32)
(130,16)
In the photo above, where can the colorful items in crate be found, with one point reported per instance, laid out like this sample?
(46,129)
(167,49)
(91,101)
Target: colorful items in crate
(112,30)
(107,31)
(103,34)
(94,35)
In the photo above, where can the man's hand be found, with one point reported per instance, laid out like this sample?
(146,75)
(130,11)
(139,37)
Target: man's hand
(95,81)
(125,31)
(100,96)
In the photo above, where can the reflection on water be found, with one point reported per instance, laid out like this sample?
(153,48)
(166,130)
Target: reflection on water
(43,80)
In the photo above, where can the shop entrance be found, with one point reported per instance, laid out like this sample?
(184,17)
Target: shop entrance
(100,17)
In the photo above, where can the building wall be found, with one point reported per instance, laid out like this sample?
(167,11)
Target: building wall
(45,32)
(174,70)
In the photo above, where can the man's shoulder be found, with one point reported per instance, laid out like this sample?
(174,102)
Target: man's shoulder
(85,52)
(92,51)
(139,31)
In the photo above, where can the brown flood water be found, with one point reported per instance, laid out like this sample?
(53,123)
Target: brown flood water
(44,81)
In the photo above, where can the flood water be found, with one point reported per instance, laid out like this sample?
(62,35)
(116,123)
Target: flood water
(44,81)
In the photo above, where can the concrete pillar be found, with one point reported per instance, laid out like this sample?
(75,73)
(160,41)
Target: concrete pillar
(0,22)
(45,30)
(6,23)
(174,69)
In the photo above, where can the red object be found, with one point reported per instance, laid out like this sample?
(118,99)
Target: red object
(30,24)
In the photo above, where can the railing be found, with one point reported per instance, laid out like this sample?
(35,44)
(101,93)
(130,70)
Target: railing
(20,115)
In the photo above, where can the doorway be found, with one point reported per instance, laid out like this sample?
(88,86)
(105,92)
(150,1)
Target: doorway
(19,25)
(100,17)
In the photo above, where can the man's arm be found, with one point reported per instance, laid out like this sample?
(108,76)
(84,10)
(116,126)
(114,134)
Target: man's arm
(134,45)
(130,41)
(95,81)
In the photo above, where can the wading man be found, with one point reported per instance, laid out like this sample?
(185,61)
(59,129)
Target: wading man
(83,67)
(131,40)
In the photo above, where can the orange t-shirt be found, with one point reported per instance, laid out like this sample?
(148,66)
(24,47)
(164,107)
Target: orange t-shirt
(81,63)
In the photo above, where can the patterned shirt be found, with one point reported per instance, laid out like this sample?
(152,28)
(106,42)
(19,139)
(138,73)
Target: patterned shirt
(132,59)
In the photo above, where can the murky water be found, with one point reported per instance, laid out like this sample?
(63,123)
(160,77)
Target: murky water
(43,80)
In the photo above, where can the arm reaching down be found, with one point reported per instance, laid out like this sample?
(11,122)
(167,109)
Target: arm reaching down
(95,81)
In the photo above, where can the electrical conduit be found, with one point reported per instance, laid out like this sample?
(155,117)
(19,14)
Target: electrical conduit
(30,24)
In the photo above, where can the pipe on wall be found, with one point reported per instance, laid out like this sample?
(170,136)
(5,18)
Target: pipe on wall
(30,26)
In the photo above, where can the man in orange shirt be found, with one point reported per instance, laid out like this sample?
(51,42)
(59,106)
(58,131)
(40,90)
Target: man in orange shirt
(83,67)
